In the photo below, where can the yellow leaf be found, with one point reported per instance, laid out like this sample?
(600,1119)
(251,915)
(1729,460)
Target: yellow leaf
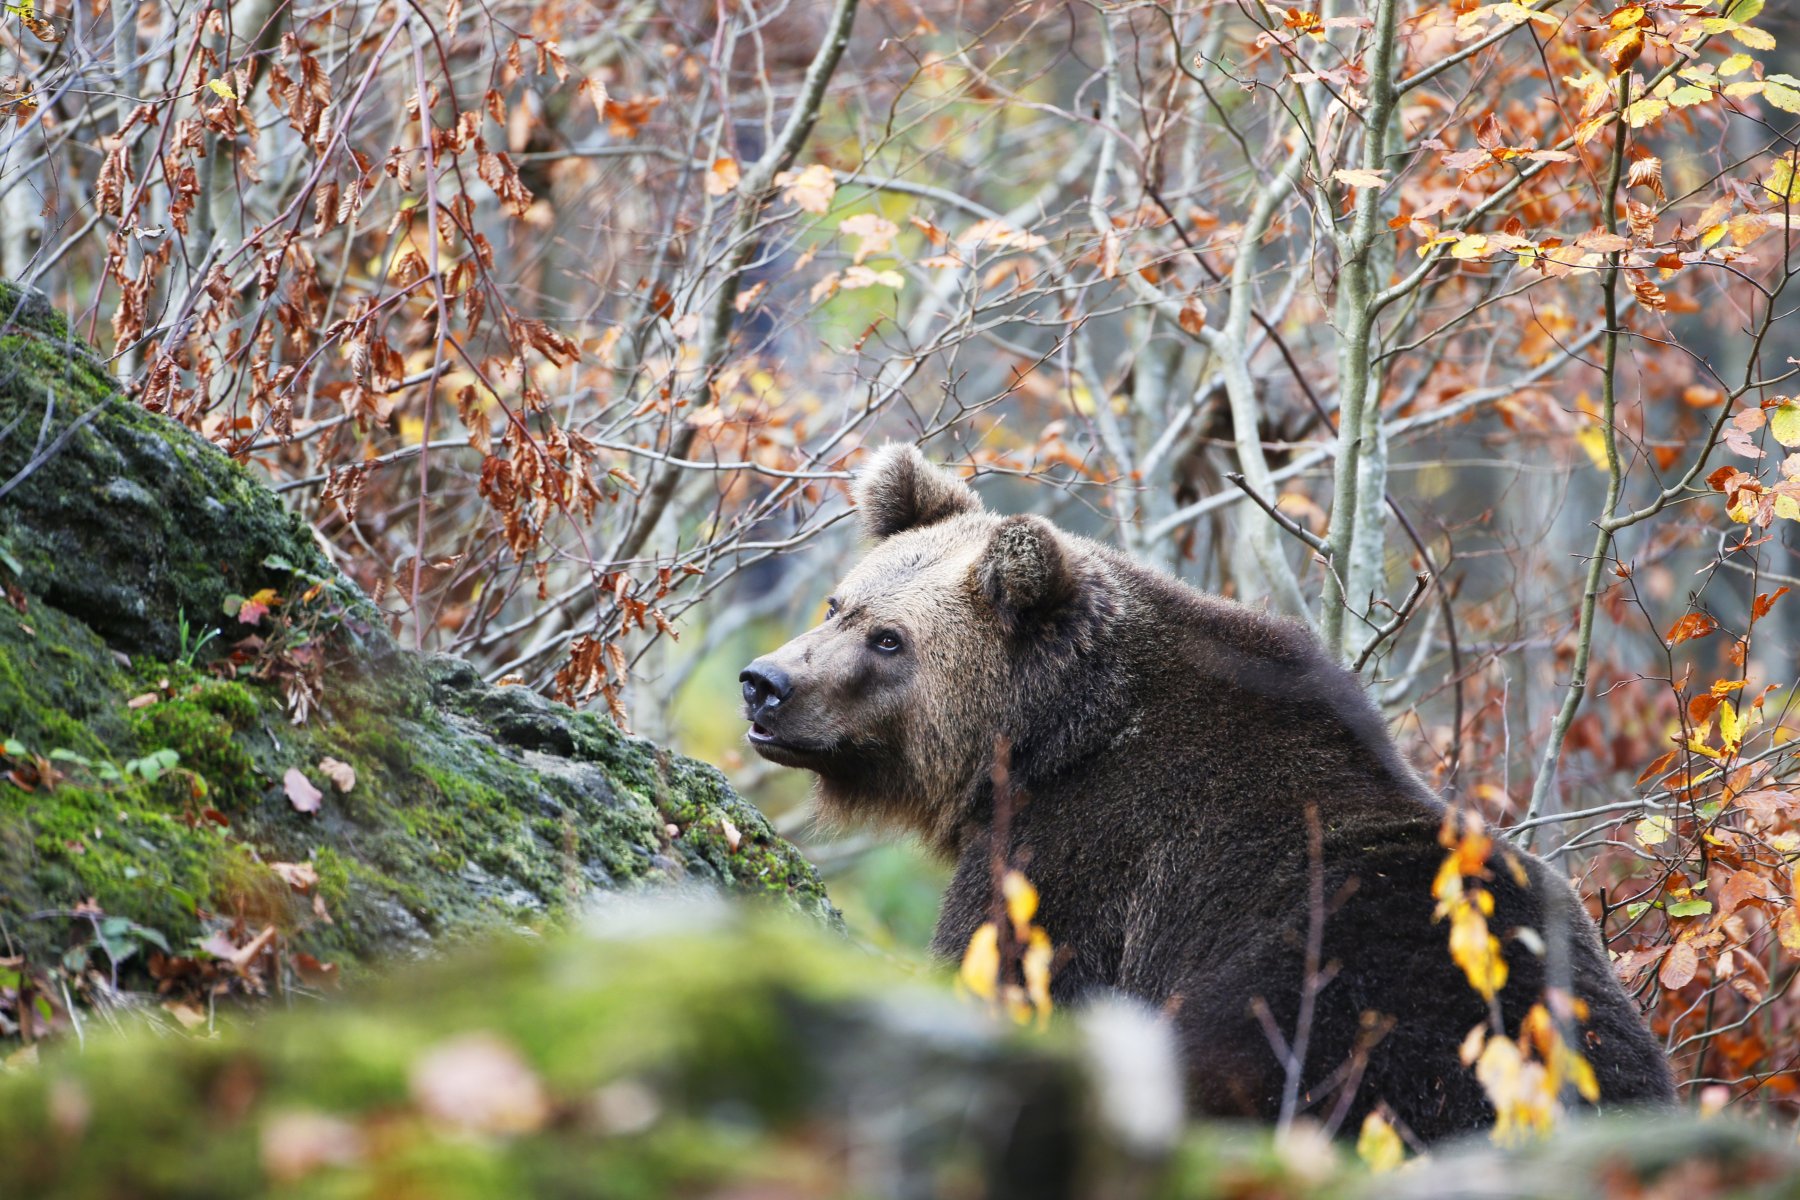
(1021,901)
(1654,831)
(1476,950)
(1781,96)
(1737,64)
(1435,241)
(1448,886)
(1784,424)
(980,971)
(1475,245)
(222,88)
(1035,965)
(1780,182)
(1731,728)
(1641,112)
(1523,1102)
(1787,928)
(1586,1082)
(1594,442)
(1756,39)
(1378,1145)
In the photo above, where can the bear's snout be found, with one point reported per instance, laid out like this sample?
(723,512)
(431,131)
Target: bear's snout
(765,686)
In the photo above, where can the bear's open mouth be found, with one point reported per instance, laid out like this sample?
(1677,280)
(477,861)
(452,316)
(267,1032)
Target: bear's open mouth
(777,749)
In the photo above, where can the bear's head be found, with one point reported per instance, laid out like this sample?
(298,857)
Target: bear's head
(894,700)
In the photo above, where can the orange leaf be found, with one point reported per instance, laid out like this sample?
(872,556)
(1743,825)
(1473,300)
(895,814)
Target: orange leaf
(1679,967)
(1657,767)
(1693,625)
(722,176)
(1764,602)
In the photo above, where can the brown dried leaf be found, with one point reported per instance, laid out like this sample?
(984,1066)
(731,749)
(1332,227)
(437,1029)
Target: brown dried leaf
(1679,966)
(300,792)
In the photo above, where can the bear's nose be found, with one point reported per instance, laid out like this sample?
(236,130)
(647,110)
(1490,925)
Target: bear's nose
(765,686)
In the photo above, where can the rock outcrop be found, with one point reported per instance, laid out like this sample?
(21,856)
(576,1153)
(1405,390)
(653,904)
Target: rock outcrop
(155,794)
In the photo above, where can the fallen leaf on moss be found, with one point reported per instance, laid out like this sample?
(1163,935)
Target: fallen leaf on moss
(300,791)
(341,774)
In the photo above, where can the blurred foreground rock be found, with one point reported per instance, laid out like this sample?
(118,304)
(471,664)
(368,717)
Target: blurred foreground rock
(164,822)
(704,1052)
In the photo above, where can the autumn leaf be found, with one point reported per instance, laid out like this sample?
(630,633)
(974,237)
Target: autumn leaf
(314,973)
(874,233)
(1021,902)
(1692,625)
(1472,947)
(862,277)
(810,189)
(1645,111)
(722,177)
(625,118)
(1679,966)
(341,774)
(1787,928)
(1654,831)
(1780,183)
(1378,1145)
(1784,424)
(1193,316)
(980,970)
(221,88)
(478,1083)
(1360,178)
(1656,768)
(302,877)
(256,607)
(300,792)
(1622,49)
(998,233)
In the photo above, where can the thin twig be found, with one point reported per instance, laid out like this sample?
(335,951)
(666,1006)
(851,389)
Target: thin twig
(1388,629)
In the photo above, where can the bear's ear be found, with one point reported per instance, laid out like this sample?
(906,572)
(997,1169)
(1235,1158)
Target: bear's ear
(1026,572)
(898,490)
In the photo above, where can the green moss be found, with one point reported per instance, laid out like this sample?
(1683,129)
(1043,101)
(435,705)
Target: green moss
(202,724)
(57,683)
(115,844)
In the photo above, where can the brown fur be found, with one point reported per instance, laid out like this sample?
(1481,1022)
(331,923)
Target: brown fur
(1172,745)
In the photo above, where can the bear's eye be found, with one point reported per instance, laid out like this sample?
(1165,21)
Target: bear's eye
(831,608)
(887,641)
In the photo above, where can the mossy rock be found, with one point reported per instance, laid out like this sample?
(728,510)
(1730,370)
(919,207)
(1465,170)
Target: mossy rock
(472,807)
(124,520)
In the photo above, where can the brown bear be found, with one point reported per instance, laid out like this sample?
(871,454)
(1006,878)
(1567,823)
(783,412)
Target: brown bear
(1197,776)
